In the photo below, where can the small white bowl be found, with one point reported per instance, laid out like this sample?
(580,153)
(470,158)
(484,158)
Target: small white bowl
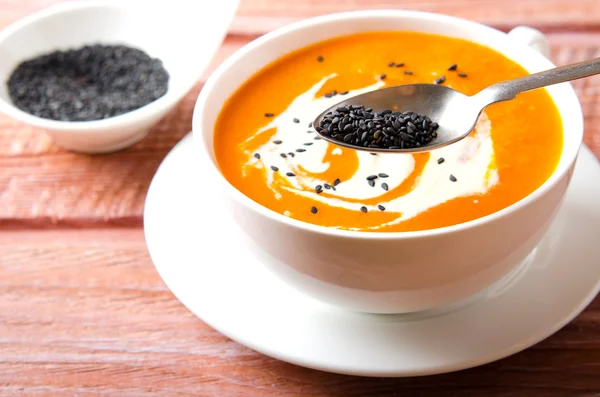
(184,35)
(392,272)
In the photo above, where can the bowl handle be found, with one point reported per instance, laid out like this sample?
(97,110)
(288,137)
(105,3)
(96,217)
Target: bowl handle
(532,38)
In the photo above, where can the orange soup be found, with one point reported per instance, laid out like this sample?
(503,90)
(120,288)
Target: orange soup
(266,148)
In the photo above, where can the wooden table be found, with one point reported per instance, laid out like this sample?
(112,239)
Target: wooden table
(83,312)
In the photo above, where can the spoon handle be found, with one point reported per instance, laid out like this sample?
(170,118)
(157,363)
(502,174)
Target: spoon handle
(509,89)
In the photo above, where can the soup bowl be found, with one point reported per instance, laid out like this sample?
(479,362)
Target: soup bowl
(403,271)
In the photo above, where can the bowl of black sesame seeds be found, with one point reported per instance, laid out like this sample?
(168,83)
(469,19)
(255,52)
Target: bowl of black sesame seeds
(97,75)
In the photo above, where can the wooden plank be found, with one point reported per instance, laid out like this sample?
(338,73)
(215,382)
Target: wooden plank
(569,48)
(70,190)
(44,186)
(85,313)
(260,16)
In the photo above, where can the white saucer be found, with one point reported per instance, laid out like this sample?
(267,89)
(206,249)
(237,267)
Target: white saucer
(201,255)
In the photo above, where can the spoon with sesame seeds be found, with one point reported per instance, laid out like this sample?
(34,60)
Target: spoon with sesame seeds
(423,117)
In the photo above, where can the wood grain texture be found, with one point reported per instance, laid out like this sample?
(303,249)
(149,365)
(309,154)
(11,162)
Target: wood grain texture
(260,16)
(84,313)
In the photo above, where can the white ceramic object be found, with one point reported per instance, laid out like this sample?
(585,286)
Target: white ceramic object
(532,38)
(185,35)
(389,272)
(217,273)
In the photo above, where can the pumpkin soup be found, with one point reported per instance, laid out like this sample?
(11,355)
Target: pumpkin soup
(266,147)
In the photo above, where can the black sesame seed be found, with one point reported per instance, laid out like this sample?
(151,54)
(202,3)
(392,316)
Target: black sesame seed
(327,95)
(382,175)
(301,150)
(440,80)
(92,82)
(384,186)
(269,114)
(363,209)
(462,75)
(308,144)
(309,132)
(327,186)
(373,154)
(392,64)
(336,182)
(257,156)
(360,126)
(441,160)
(317,138)
(371,177)
(383,76)
(274,168)
(318,188)
(278,142)
(399,65)
(343,93)
(283,155)
(452,67)
(296,121)
(290,174)
(310,125)
(313,209)
(320,58)
(453,178)
(407,137)
(291,154)
(381,207)
(408,72)
(371,183)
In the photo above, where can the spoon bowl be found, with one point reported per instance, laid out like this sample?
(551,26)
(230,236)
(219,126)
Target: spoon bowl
(444,105)
(455,113)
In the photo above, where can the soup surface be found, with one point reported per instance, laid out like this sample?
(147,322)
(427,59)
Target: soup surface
(266,149)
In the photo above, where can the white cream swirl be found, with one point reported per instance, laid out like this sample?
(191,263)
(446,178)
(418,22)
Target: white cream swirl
(471,161)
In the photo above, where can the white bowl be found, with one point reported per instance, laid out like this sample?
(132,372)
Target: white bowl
(391,272)
(184,35)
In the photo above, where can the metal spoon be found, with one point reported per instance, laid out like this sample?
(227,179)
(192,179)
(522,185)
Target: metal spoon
(455,113)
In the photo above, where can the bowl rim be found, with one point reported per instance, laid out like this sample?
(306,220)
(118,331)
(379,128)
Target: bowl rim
(294,28)
(133,117)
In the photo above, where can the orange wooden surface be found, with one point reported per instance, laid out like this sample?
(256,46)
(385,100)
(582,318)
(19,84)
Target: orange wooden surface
(83,312)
